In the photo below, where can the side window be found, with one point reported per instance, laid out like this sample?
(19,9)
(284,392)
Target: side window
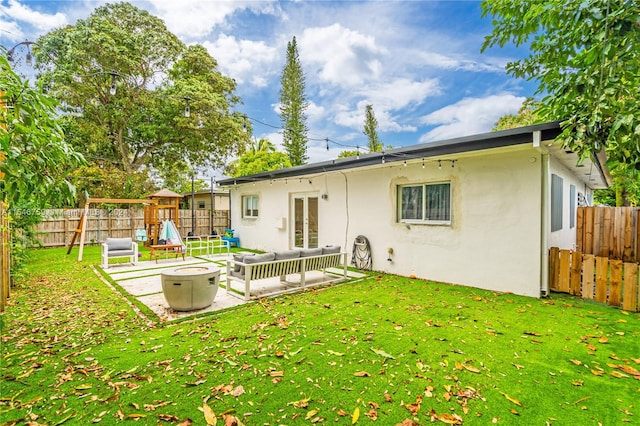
(250,206)
(201,204)
(556,203)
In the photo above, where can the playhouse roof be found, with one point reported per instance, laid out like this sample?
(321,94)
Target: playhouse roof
(165,193)
(600,177)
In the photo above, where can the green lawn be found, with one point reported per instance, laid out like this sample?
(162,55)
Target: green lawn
(386,350)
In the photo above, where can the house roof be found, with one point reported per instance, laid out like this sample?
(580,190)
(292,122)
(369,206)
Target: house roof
(208,192)
(598,175)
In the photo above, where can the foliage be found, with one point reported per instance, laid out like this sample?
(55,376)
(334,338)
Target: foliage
(257,162)
(371,130)
(625,189)
(37,159)
(384,350)
(107,181)
(293,103)
(34,159)
(261,156)
(585,56)
(349,153)
(527,115)
(143,125)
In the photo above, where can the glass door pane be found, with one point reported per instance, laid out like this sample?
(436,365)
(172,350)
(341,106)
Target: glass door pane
(312,221)
(298,220)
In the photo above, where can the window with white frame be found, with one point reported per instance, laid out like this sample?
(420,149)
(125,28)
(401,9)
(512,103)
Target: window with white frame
(425,203)
(250,206)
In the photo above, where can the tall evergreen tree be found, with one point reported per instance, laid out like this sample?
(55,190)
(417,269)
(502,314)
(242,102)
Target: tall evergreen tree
(371,130)
(293,104)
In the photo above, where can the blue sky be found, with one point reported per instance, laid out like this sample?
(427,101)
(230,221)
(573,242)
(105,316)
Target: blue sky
(417,62)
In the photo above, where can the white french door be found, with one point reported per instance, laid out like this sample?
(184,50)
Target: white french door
(304,227)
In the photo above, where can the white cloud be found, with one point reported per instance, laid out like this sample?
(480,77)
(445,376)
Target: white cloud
(42,21)
(469,116)
(196,18)
(244,60)
(340,56)
(449,62)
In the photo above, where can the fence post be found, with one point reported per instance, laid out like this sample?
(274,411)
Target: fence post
(576,268)
(630,296)
(553,268)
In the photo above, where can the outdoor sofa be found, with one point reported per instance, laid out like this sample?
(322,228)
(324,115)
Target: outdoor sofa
(249,268)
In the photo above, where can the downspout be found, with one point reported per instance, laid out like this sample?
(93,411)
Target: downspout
(545,215)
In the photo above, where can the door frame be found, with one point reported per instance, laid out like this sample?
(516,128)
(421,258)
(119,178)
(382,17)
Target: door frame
(305,196)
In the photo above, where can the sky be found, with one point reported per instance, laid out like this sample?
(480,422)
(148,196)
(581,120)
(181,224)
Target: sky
(418,62)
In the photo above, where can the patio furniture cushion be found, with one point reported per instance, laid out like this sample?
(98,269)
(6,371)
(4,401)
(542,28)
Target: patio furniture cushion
(287,254)
(330,249)
(239,257)
(259,258)
(115,244)
(311,252)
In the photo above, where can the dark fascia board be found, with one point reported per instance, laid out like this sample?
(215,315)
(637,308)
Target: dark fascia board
(502,138)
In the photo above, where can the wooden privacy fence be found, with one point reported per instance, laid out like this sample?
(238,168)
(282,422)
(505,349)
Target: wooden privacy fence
(611,232)
(5,258)
(605,280)
(59,225)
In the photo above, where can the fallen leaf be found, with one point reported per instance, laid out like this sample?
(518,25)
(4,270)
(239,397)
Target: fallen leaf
(310,414)
(382,353)
(355,416)
(471,368)
(597,372)
(618,374)
(209,415)
(576,362)
(361,374)
(603,340)
(239,390)
(512,399)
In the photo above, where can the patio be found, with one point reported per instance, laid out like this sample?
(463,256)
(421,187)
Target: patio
(144,282)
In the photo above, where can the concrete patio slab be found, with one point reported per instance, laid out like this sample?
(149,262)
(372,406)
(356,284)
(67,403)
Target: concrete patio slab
(144,282)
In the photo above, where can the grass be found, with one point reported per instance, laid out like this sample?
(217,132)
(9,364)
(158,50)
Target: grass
(386,350)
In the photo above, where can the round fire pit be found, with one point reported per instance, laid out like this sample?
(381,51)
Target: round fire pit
(190,287)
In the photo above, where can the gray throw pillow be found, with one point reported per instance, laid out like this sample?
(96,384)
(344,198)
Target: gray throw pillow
(287,254)
(311,252)
(239,257)
(259,258)
(330,249)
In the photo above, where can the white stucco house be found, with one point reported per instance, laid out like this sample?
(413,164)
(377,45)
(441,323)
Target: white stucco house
(479,210)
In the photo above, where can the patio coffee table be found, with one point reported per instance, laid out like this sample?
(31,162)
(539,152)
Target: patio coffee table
(165,247)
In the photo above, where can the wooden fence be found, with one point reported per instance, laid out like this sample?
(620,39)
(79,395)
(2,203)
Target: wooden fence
(605,280)
(59,225)
(5,258)
(611,232)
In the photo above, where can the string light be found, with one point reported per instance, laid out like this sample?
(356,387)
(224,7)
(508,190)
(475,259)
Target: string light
(405,163)
(423,163)
(439,165)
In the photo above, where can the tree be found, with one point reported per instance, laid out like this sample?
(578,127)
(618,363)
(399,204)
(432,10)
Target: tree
(34,159)
(37,159)
(371,130)
(293,104)
(585,56)
(143,126)
(527,115)
(625,190)
(262,156)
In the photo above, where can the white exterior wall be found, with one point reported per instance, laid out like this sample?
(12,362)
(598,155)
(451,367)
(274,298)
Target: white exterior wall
(565,238)
(493,242)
